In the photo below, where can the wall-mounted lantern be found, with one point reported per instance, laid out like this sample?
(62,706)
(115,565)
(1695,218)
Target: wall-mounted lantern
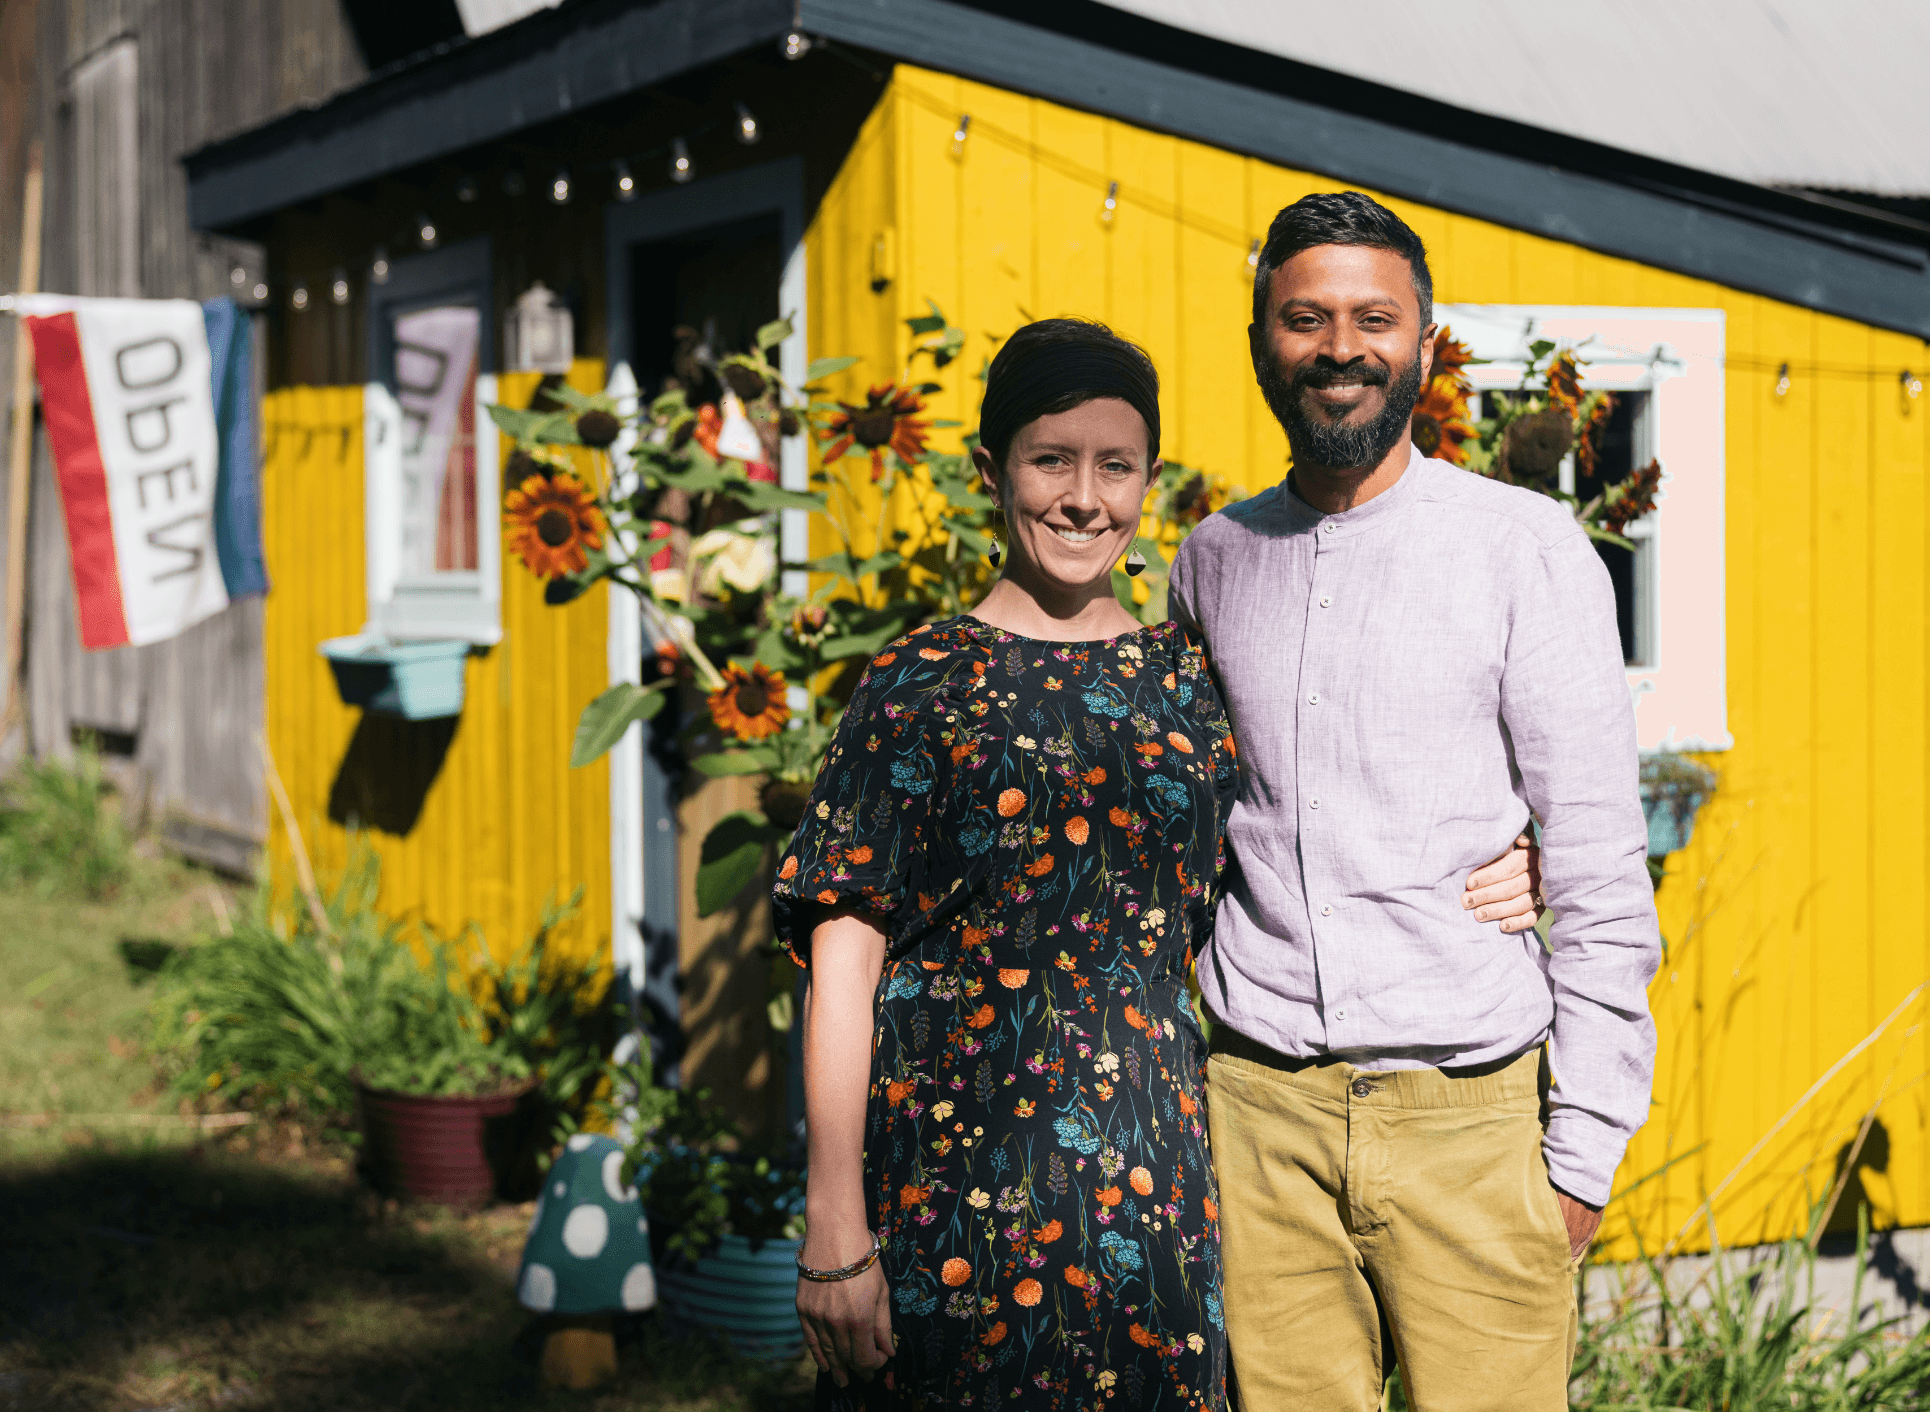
(539,335)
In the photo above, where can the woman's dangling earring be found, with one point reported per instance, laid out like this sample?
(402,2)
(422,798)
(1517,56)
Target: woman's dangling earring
(994,556)
(1135,563)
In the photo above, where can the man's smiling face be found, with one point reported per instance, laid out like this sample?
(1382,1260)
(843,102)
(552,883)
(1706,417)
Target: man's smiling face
(1342,355)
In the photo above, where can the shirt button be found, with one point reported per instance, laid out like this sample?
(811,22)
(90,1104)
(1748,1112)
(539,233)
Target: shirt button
(1328,910)
(1328,527)
(1362,1088)
(1313,698)
(1325,601)
(1313,803)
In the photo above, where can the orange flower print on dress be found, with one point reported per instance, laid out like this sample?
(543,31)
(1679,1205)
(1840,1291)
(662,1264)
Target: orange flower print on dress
(1013,978)
(975,936)
(1039,866)
(1141,1181)
(931,654)
(789,870)
(1141,1337)
(899,1090)
(1187,1105)
(1048,1233)
(1120,818)
(956,1271)
(1134,1018)
(1179,742)
(1096,775)
(982,1017)
(910,1196)
(993,1334)
(1150,748)
(884,659)
(1076,1277)
(1011,802)
(1210,1207)
(1028,1292)
(1111,1196)
(1077,830)
(859,855)
(827,897)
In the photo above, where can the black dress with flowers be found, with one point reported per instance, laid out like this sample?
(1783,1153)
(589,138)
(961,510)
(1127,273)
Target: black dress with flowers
(1037,827)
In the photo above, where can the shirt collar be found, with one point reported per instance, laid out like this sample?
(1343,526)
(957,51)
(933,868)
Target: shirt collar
(1379,510)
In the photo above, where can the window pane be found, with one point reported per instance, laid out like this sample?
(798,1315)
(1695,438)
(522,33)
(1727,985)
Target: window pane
(435,384)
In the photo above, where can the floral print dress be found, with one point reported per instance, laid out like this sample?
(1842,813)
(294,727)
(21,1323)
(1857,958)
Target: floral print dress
(1038,829)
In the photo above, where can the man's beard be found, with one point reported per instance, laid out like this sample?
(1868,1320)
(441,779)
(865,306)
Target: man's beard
(1340,446)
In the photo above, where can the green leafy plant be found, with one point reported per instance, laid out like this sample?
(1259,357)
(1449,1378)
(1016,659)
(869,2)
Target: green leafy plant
(697,1184)
(61,831)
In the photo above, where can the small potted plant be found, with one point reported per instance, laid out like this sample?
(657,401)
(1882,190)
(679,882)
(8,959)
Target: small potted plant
(1674,787)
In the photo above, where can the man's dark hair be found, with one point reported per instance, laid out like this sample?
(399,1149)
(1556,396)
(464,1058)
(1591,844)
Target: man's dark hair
(1340,218)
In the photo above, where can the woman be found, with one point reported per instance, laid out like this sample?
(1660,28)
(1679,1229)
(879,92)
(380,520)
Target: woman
(1009,858)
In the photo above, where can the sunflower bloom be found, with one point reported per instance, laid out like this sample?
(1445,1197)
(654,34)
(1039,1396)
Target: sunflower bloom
(887,421)
(552,521)
(750,705)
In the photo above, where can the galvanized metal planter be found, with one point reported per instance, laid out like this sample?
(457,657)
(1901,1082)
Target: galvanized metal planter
(418,681)
(747,1296)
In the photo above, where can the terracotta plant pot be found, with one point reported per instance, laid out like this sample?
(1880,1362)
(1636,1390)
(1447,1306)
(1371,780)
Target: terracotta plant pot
(748,1296)
(457,1151)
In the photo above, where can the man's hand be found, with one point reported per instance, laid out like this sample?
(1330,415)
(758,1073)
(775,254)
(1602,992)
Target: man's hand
(1582,1222)
(1508,888)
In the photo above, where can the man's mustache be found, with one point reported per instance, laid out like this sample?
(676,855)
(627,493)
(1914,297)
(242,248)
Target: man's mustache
(1325,372)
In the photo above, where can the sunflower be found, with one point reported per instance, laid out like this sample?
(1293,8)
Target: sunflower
(551,521)
(886,421)
(750,705)
(1441,416)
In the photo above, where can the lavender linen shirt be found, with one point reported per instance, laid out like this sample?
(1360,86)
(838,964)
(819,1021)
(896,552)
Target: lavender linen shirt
(1406,681)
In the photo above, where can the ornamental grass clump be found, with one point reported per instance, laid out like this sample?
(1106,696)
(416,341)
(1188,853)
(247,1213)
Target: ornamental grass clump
(61,831)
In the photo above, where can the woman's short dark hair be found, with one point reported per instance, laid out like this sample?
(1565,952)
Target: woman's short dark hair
(1054,365)
(1340,218)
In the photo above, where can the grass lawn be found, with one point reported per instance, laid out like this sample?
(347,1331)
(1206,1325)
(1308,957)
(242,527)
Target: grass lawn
(149,1265)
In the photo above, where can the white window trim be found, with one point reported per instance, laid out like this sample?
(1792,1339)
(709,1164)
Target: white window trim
(463,606)
(1676,355)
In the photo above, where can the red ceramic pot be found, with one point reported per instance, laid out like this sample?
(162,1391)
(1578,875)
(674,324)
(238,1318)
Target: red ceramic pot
(459,1150)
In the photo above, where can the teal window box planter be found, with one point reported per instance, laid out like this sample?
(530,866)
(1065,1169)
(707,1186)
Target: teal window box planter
(417,681)
(1673,789)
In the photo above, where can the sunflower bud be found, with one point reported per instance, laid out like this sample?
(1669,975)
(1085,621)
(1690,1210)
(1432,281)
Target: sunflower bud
(521,467)
(810,624)
(743,381)
(787,422)
(597,428)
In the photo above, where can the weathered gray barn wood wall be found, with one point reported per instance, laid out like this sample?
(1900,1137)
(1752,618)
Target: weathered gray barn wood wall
(121,89)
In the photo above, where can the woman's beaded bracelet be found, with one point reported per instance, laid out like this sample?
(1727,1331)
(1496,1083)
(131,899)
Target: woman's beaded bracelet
(851,1271)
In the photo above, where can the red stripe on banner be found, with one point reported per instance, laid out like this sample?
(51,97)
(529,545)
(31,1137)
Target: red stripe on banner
(68,410)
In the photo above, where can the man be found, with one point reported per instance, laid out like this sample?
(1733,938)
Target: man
(1414,658)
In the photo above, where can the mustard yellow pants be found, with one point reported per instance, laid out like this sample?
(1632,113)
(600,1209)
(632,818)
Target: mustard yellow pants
(1359,1206)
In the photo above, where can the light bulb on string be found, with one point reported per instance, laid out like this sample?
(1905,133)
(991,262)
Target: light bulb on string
(237,276)
(560,187)
(1253,255)
(425,231)
(624,186)
(796,44)
(467,189)
(1110,206)
(260,291)
(338,286)
(960,133)
(1782,381)
(747,129)
(1912,385)
(379,266)
(680,168)
(298,298)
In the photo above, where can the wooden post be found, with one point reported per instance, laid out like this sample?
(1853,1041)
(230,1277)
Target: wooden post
(20,450)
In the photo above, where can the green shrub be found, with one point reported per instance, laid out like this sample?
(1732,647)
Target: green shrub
(60,832)
(286,1017)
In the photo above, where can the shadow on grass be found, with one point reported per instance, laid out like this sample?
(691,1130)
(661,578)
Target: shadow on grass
(189,1278)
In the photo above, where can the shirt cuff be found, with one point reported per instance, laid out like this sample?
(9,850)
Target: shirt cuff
(1583,1153)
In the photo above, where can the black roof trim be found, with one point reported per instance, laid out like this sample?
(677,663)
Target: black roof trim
(1833,256)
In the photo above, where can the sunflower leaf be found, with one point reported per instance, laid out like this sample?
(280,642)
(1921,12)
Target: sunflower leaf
(759,496)
(773,333)
(736,762)
(732,853)
(825,367)
(605,719)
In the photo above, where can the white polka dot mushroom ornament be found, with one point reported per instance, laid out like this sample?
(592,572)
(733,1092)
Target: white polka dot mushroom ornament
(586,1261)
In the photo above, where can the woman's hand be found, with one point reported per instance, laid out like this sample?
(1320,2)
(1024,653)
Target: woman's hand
(847,1323)
(1508,889)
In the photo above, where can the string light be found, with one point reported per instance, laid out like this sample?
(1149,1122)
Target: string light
(560,187)
(747,129)
(1110,205)
(466,188)
(425,231)
(260,291)
(298,298)
(379,268)
(1912,385)
(625,185)
(680,168)
(338,286)
(237,276)
(796,44)
(960,133)
(1253,254)
(1782,381)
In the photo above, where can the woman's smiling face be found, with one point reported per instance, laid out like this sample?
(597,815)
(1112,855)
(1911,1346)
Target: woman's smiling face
(1072,488)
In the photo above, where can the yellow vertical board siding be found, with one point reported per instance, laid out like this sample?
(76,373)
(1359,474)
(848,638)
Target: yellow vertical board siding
(506,827)
(1796,918)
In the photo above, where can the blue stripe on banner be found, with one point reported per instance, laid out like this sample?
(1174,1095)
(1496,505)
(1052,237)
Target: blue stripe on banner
(237,501)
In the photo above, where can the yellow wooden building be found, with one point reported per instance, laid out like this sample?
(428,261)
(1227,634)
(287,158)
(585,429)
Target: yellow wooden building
(1771,351)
